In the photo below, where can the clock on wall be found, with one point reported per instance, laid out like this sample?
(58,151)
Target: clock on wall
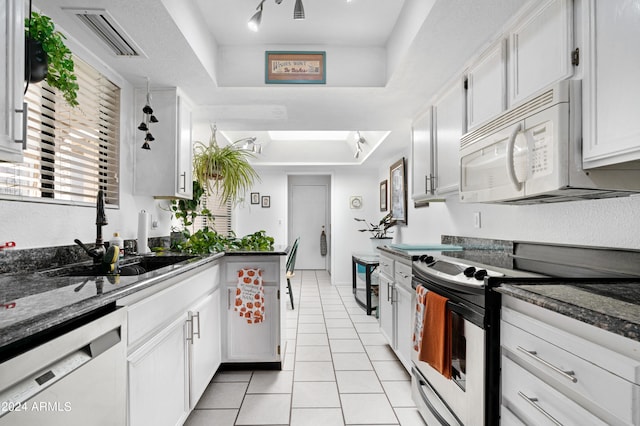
(355,202)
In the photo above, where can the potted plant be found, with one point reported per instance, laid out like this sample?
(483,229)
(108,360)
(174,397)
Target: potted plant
(378,231)
(40,31)
(225,170)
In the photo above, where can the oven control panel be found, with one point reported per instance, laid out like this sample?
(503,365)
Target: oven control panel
(453,271)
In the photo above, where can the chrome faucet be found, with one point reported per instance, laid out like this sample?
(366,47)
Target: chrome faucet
(99,249)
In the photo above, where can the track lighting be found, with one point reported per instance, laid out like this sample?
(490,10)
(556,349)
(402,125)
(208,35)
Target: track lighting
(254,22)
(256,19)
(298,10)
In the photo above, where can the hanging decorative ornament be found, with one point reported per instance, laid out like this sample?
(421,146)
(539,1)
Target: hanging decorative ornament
(148,117)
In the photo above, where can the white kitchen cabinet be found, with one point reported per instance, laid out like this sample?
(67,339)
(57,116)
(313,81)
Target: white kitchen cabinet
(540,47)
(396,307)
(158,385)
(174,347)
(253,342)
(12,107)
(405,301)
(206,344)
(262,342)
(164,171)
(449,114)
(487,85)
(575,372)
(611,87)
(386,312)
(422,171)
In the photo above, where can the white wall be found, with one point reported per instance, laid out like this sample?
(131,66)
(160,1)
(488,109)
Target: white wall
(249,218)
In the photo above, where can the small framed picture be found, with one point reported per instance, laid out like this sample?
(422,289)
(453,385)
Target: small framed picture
(266,201)
(255,198)
(383,195)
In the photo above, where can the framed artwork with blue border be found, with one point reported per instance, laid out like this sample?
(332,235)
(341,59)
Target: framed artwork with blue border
(295,67)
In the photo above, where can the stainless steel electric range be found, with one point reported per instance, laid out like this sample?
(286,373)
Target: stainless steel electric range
(472,395)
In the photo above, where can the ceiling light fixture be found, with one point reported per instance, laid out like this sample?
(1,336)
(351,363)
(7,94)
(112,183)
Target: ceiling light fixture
(254,22)
(256,19)
(298,10)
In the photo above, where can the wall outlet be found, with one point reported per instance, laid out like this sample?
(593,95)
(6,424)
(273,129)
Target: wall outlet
(476,220)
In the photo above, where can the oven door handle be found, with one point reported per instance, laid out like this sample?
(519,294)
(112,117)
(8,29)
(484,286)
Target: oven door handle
(424,385)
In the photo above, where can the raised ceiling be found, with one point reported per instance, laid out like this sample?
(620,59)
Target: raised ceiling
(385,60)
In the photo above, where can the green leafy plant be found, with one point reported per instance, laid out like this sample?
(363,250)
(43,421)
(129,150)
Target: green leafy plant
(188,210)
(380,229)
(206,241)
(223,170)
(60,71)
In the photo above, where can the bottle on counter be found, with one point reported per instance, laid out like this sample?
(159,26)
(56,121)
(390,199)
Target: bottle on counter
(117,241)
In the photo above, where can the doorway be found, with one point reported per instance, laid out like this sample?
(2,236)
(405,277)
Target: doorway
(309,215)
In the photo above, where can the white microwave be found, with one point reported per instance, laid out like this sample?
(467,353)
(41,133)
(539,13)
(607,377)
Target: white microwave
(532,153)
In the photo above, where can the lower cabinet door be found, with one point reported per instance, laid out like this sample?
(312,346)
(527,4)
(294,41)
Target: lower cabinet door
(158,378)
(206,346)
(405,303)
(386,311)
(253,342)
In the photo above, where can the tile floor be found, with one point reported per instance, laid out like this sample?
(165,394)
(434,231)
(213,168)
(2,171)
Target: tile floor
(338,370)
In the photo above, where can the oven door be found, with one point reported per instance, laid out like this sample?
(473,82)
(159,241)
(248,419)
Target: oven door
(460,399)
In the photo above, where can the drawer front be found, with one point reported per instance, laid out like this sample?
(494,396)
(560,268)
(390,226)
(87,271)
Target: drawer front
(270,271)
(403,274)
(386,266)
(603,389)
(152,313)
(536,403)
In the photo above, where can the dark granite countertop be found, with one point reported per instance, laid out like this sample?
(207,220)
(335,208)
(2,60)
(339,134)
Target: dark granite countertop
(35,301)
(610,305)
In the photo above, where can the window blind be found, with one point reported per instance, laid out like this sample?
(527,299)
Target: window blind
(71,152)
(221,215)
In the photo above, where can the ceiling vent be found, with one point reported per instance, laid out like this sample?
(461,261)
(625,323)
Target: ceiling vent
(105,27)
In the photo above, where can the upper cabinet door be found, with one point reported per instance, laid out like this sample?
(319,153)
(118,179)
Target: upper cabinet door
(487,85)
(421,157)
(165,170)
(449,118)
(12,109)
(540,49)
(611,88)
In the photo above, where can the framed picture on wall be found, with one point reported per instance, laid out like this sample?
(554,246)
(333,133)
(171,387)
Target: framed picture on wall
(398,179)
(383,195)
(255,198)
(266,201)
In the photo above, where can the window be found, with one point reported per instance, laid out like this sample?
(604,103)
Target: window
(71,152)
(221,215)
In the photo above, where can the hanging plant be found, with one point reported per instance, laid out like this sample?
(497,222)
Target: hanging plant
(223,170)
(60,69)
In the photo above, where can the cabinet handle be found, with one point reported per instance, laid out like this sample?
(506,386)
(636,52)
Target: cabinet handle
(569,375)
(197,317)
(25,117)
(183,175)
(229,299)
(388,292)
(534,403)
(190,325)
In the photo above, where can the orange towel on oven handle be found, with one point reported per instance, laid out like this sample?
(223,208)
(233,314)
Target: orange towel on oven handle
(435,348)
(249,300)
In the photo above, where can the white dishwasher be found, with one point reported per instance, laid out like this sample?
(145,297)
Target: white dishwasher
(77,378)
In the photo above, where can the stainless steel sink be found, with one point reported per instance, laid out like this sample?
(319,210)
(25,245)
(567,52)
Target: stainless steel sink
(134,266)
